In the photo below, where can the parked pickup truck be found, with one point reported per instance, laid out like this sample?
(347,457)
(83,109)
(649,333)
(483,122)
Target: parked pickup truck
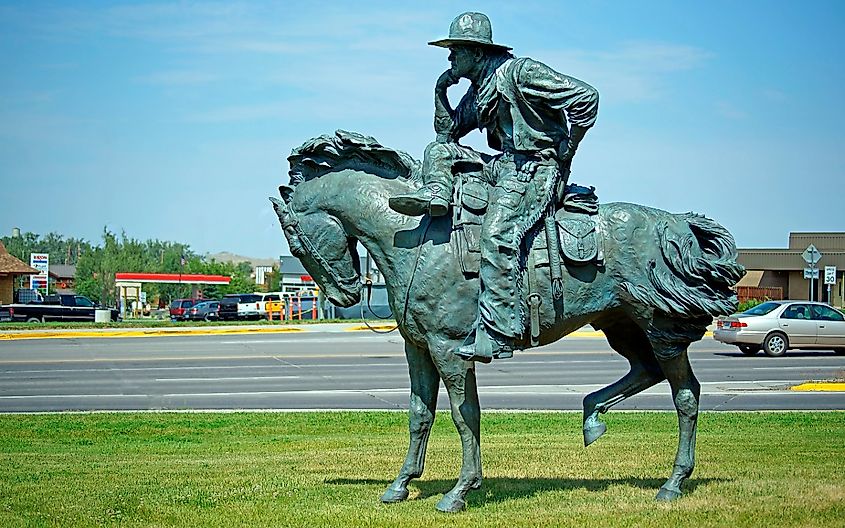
(63,307)
(240,306)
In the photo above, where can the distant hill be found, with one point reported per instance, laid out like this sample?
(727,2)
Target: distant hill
(225,256)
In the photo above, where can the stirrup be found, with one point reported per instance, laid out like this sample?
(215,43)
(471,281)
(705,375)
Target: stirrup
(485,349)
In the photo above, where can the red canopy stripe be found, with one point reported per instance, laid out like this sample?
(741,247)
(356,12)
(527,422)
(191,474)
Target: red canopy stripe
(185,278)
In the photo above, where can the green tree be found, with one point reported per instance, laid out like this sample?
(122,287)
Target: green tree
(96,265)
(61,251)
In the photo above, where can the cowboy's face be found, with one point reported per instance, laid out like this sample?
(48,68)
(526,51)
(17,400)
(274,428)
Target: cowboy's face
(465,61)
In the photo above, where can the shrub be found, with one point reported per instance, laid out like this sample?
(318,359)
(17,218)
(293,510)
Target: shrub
(749,303)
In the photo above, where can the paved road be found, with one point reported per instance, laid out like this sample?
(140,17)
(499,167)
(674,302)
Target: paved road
(325,370)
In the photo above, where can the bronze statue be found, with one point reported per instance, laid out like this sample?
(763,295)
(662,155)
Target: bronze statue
(524,105)
(652,281)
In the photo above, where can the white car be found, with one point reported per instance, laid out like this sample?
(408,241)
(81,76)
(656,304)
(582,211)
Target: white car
(777,326)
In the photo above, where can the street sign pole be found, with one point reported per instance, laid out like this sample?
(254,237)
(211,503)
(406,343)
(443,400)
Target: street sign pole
(812,256)
(829,280)
(812,281)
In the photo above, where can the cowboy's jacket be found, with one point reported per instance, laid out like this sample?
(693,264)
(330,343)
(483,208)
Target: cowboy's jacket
(525,107)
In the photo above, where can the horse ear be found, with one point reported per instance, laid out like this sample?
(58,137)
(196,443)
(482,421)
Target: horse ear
(286,192)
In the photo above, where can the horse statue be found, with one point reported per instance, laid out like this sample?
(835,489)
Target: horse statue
(662,279)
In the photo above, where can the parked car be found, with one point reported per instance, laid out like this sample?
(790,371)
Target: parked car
(778,326)
(270,302)
(179,308)
(62,307)
(240,306)
(204,311)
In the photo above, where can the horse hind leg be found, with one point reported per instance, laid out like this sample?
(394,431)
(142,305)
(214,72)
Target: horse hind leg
(425,383)
(630,341)
(686,392)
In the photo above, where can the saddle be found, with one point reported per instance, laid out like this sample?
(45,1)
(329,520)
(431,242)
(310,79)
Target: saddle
(571,238)
(577,237)
(470,201)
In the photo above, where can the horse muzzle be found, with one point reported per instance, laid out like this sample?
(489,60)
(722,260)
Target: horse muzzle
(342,297)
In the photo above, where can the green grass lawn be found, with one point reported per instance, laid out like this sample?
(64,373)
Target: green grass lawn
(329,469)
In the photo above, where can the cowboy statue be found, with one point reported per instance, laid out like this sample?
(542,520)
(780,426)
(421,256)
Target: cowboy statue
(535,117)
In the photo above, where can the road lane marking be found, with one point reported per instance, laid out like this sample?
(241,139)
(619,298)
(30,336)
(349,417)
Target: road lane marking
(191,358)
(140,369)
(287,340)
(247,378)
(804,367)
(164,332)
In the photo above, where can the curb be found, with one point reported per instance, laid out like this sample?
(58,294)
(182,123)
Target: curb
(819,386)
(14,335)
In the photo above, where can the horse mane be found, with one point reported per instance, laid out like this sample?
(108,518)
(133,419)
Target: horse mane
(349,150)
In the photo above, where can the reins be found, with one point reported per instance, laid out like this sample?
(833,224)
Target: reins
(369,284)
(349,282)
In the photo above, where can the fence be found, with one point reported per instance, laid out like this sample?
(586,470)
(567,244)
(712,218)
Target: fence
(293,307)
(745,293)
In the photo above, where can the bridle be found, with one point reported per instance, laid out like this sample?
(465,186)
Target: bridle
(300,244)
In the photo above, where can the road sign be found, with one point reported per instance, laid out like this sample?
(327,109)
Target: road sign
(41,262)
(811,255)
(830,274)
(811,273)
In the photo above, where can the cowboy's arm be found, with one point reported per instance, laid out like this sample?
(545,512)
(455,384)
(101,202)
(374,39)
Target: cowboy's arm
(577,99)
(452,124)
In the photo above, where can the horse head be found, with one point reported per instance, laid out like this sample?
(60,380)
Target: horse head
(320,242)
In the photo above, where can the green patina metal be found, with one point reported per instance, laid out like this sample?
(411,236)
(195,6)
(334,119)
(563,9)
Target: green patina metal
(487,255)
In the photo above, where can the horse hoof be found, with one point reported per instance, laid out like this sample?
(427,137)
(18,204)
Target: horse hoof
(451,505)
(593,429)
(391,496)
(667,495)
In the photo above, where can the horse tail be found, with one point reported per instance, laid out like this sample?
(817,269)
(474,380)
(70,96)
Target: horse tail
(697,272)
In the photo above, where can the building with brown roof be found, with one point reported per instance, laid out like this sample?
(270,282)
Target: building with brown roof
(783,269)
(11,268)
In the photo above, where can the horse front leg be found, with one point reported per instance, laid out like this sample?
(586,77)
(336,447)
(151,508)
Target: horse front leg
(686,392)
(425,383)
(466,413)
(629,341)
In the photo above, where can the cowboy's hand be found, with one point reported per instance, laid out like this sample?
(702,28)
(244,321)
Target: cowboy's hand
(445,80)
(444,121)
(566,152)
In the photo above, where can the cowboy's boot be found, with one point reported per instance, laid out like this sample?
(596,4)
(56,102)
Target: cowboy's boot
(435,196)
(488,345)
(432,198)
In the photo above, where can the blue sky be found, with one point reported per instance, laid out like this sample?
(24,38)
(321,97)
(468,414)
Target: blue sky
(174,120)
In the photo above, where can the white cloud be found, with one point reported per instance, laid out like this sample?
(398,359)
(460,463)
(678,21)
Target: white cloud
(633,72)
